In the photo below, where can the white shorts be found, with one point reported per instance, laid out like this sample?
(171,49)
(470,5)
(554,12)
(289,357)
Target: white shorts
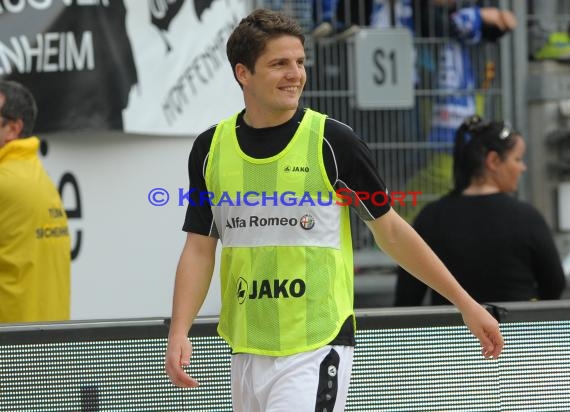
(315,381)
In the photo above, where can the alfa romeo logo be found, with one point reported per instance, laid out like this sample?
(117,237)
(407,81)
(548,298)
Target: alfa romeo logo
(307,222)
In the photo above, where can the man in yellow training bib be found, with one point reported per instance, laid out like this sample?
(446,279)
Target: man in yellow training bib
(286,266)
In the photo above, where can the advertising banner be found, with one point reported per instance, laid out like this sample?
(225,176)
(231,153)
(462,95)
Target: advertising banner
(146,67)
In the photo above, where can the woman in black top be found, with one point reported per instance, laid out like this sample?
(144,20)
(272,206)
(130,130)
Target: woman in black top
(498,248)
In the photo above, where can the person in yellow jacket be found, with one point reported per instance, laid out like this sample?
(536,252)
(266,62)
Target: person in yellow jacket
(35,257)
(267,183)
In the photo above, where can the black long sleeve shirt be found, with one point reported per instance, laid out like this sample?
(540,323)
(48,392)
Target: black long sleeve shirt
(498,248)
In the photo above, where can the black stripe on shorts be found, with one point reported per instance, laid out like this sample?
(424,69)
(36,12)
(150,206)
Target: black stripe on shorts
(328,383)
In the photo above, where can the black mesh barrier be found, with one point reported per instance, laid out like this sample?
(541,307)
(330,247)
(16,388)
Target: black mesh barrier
(408,359)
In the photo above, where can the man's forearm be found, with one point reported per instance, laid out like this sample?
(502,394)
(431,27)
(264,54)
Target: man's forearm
(193,277)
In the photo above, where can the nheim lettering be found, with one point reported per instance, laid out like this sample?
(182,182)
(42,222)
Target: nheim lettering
(270,289)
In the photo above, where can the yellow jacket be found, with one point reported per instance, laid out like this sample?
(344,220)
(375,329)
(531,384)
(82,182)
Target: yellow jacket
(35,260)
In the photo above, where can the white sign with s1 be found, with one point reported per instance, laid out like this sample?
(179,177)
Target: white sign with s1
(382,69)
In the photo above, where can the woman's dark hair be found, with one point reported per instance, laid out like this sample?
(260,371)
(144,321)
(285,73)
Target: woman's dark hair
(19,104)
(474,139)
(248,40)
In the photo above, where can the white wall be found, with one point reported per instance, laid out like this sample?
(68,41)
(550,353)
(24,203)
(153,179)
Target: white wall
(129,249)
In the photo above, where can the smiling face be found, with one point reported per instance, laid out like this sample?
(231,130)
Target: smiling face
(273,89)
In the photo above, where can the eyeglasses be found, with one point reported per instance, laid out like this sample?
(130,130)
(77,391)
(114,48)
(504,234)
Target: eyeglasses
(475,123)
(506,131)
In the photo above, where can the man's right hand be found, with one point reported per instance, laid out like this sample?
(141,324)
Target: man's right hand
(177,357)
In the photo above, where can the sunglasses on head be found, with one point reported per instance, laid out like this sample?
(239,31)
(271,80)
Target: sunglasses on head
(475,123)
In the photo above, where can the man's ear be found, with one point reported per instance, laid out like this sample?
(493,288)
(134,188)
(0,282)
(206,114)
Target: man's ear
(492,160)
(242,74)
(14,129)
